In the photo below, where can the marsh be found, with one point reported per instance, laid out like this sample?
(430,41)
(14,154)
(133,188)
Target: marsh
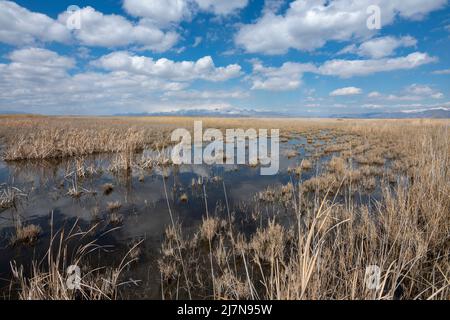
(348,194)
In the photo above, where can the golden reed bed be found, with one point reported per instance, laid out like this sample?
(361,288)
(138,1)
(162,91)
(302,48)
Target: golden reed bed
(324,253)
(39,137)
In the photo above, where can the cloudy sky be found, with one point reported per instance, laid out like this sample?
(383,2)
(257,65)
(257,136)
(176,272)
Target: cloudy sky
(303,57)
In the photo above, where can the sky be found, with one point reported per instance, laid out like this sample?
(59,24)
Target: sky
(303,57)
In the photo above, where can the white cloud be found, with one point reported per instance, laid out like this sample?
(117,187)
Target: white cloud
(414,92)
(374,94)
(419,89)
(195,94)
(394,97)
(197,42)
(351,68)
(380,47)
(203,68)
(35,63)
(443,71)
(286,77)
(372,106)
(339,105)
(289,75)
(309,24)
(161,12)
(19,26)
(312,105)
(221,7)
(98,29)
(38,80)
(273,6)
(424,91)
(347,91)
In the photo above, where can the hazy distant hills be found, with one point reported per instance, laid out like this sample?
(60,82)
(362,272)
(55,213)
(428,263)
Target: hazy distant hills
(228,112)
(437,113)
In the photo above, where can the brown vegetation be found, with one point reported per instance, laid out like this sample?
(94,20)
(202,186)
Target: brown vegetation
(324,252)
(48,279)
(300,240)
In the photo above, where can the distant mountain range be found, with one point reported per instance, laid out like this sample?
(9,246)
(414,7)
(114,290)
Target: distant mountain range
(223,112)
(436,113)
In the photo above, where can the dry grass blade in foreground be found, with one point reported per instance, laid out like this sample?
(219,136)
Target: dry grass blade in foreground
(48,279)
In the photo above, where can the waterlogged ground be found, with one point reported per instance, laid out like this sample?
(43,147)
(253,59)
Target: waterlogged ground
(142,206)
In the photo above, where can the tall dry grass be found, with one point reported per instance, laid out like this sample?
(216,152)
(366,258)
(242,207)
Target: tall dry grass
(47,137)
(47,278)
(324,251)
(309,240)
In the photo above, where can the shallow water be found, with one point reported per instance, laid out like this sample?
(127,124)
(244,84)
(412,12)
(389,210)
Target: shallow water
(144,204)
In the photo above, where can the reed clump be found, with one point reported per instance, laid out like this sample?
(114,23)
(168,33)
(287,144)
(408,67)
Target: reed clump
(54,277)
(26,234)
(108,188)
(9,196)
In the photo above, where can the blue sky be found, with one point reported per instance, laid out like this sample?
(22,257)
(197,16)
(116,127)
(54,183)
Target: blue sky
(304,57)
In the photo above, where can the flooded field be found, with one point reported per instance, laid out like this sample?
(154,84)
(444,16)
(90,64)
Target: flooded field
(46,197)
(225,231)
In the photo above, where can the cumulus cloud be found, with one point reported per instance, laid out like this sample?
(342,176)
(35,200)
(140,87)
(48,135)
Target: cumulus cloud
(37,79)
(163,12)
(40,80)
(286,77)
(414,92)
(203,68)
(98,29)
(159,11)
(347,91)
(35,64)
(195,94)
(380,47)
(351,68)
(19,26)
(423,91)
(310,24)
(273,6)
(221,7)
(374,94)
(289,75)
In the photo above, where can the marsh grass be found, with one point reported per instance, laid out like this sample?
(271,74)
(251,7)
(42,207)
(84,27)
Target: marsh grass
(114,206)
(108,188)
(299,240)
(75,192)
(43,138)
(323,252)
(47,279)
(26,234)
(9,196)
(114,217)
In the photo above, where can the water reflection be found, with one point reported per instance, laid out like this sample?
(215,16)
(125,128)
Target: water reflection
(140,193)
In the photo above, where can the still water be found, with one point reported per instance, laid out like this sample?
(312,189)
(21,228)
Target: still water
(143,205)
